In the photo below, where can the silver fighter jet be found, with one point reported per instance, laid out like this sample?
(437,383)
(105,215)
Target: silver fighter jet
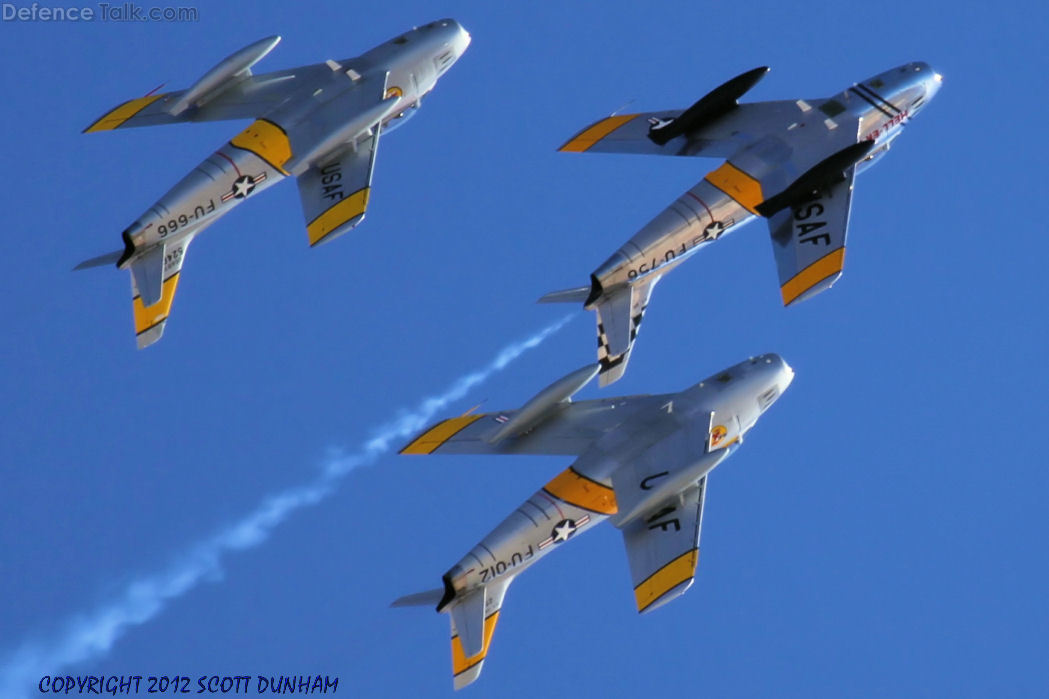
(643,463)
(792,162)
(320,123)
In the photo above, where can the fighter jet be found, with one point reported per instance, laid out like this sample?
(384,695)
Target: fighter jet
(643,463)
(319,123)
(791,162)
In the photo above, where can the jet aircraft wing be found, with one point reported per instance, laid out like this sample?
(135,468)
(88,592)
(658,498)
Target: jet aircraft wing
(629,133)
(249,98)
(805,195)
(335,194)
(570,429)
(808,241)
(662,547)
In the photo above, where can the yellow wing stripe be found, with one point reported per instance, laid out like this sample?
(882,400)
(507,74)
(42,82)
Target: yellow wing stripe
(586,138)
(114,118)
(679,570)
(823,268)
(429,441)
(737,184)
(460,663)
(147,317)
(345,210)
(578,490)
(266,140)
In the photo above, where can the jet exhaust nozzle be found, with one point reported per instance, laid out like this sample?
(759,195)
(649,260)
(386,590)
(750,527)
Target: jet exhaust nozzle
(596,290)
(129,248)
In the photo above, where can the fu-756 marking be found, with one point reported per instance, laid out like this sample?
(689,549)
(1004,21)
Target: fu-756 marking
(778,157)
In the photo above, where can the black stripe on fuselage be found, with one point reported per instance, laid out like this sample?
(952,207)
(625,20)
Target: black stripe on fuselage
(878,97)
(872,103)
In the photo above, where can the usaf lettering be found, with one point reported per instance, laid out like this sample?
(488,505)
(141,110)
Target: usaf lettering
(331,182)
(805,227)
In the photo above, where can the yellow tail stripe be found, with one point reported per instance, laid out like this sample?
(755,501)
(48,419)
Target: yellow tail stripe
(266,140)
(460,663)
(578,490)
(147,317)
(429,441)
(592,134)
(346,210)
(114,118)
(827,266)
(679,570)
(737,184)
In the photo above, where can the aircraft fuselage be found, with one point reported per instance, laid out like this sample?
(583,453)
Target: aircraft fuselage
(262,154)
(582,496)
(883,104)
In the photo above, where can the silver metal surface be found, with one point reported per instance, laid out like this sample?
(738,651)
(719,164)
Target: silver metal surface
(643,462)
(768,146)
(319,122)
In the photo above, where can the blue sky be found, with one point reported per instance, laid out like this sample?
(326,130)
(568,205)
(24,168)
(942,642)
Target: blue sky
(880,533)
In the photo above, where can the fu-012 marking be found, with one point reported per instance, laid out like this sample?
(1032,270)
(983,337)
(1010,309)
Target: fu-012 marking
(516,559)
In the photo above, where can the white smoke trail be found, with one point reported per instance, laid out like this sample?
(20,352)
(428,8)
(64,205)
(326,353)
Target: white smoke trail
(90,635)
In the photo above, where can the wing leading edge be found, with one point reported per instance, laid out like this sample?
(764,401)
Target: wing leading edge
(569,429)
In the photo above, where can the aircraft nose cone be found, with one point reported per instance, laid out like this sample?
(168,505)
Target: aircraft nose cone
(460,38)
(784,372)
(932,78)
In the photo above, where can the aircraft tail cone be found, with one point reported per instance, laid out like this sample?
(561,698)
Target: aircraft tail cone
(596,290)
(129,249)
(449,592)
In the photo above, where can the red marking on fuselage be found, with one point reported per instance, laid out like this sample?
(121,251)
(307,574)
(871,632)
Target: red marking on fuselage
(709,213)
(230,161)
(554,503)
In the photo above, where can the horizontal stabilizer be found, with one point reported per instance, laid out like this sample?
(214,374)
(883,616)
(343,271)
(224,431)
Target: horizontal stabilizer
(468,617)
(429,598)
(576,295)
(470,645)
(148,272)
(619,316)
(110,258)
(160,266)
